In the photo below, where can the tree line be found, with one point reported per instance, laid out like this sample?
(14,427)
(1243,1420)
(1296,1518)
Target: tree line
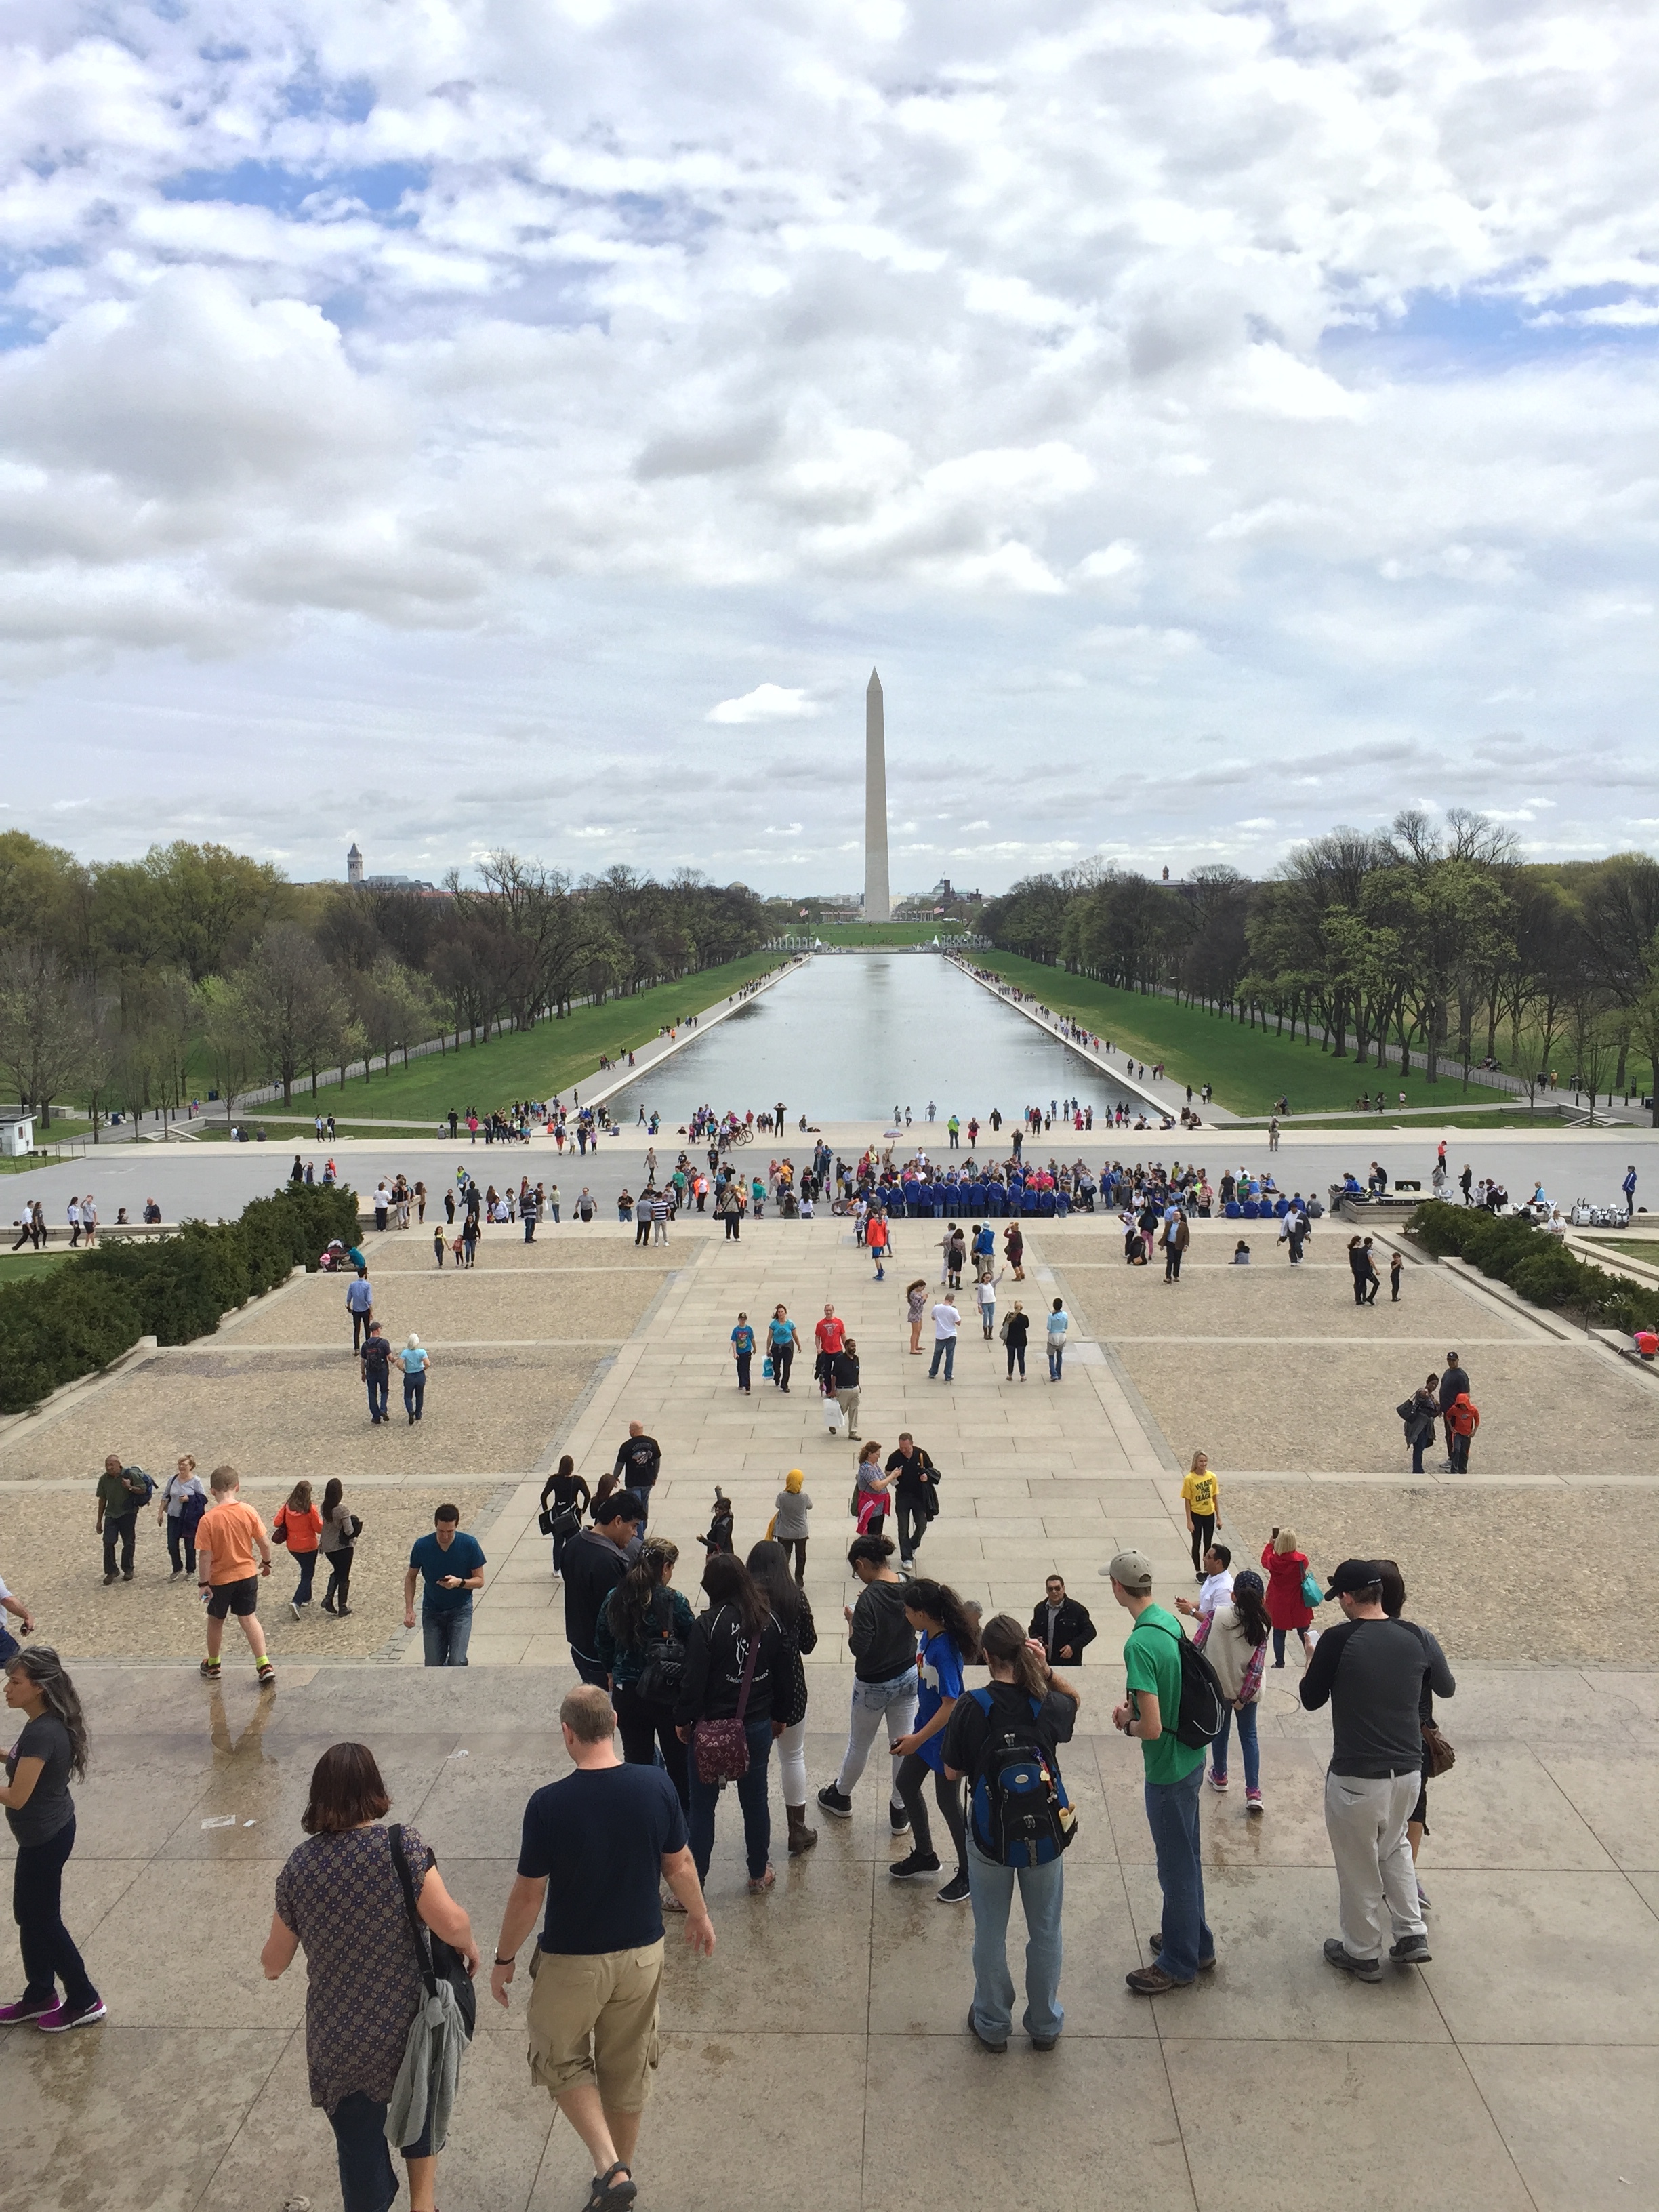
(119,979)
(1429,937)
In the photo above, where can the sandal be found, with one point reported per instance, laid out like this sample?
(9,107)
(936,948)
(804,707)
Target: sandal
(602,2193)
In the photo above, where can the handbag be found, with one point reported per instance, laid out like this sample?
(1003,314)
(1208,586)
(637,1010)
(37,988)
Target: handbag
(766,1367)
(279,1526)
(720,1747)
(1439,1755)
(438,1960)
(1311,1593)
(356,1528)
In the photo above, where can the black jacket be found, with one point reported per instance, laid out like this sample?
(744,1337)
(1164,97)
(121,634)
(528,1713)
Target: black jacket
(915,1477)
(1451,1382)
(593,1568)
(881,1640)
(1072,1627)
(716,1652)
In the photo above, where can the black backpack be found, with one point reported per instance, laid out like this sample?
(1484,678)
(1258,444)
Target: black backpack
(1020,1813)
(1203,1706)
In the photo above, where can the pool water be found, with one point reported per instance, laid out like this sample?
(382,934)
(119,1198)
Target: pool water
(850,1036)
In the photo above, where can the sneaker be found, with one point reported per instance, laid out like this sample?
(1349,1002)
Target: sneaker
(294,1606)
(1153,1982)
(1422,1898)
(266,1676)
(898,1820)
(343,1613)
(1252,1801)
(832,1802)
(954,1891)
(1155,1944)
(984,2041)
(915,1865)
(1044,2042)
(1337,1954)
(61,2016)
(108,1579)
(25,2007)
(126,1574)
(210,1670)
(1411,1951)
(1217,1781)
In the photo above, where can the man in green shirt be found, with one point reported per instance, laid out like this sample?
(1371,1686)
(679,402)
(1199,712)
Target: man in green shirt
(121,1492)
(1183,1947)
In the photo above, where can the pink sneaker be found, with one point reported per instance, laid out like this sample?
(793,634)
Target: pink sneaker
(25,2009)
(60,2017)
(1252,1801)
(1217,1781)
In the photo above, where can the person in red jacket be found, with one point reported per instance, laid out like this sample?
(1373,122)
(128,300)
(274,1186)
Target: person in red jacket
(1287,1608)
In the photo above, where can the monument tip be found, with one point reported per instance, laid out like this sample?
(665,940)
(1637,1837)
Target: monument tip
(875,682)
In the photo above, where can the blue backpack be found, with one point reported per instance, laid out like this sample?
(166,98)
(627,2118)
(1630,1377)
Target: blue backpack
(1021,1814)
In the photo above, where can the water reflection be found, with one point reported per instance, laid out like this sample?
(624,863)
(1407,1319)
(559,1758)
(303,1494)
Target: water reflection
(849,1036)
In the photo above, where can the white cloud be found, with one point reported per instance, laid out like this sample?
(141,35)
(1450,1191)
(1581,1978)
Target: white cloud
(766,702)
(473,375)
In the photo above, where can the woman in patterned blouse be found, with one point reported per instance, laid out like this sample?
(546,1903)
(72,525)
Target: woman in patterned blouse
(339,1896)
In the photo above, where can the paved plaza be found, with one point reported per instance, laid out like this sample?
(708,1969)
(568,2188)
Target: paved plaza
(819,2059)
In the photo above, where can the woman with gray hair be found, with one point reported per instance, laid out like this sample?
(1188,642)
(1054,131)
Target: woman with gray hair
(41,1815)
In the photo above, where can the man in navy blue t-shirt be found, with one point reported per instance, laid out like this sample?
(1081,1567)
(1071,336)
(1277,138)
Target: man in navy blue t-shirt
(596,1846)
(452,1567)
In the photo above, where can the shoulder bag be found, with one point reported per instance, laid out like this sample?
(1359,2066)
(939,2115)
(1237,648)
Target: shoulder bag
(438,1961)
(720,1747)
(1438,1757)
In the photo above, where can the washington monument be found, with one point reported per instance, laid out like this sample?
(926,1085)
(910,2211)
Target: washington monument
(878,904)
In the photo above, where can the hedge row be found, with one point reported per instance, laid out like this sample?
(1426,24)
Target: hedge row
(72,1320)
(1537,1266)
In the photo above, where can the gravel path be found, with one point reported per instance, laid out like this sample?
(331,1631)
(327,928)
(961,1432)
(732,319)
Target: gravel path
(1511,1574)
(54,1562)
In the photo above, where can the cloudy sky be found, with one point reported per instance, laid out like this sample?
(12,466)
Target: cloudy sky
(526,422)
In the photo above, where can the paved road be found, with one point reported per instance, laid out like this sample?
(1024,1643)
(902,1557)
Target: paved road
(213,1179)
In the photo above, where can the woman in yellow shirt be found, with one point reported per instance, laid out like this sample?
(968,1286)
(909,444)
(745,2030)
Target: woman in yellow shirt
(1201,1494)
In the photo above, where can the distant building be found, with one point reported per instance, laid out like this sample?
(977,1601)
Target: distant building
(395,884)
(354,864)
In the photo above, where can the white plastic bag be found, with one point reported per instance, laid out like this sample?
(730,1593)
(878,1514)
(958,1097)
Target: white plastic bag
(832,1416)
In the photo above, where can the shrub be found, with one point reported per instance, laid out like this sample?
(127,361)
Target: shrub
(1537,1266)
(67,1323)
(73,1320)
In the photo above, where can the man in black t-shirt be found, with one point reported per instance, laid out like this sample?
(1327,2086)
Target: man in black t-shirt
(595,1847)
(639,1462)
(595,1561)
(376,1369)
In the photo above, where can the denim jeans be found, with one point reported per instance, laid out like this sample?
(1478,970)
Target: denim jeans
(1172,1816)
(945,1348)
(751,1797)
(1042,1894)
(1248,1744)
(912,1527)
(414,1394)
(896,1700)
(446,1635)
(181,1547)
(377,1395)
(121,1528)
(1056,1356)
(307,1563)
(368,2181)
(49,1953)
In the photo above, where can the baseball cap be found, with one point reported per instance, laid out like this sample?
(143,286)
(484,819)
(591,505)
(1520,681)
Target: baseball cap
(1354,1575)
(1133,1570)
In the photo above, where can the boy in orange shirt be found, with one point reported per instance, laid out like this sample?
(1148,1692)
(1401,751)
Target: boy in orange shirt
(226,1538)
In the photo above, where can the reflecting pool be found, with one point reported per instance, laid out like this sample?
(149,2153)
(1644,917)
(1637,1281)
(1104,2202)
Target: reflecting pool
(851,1035)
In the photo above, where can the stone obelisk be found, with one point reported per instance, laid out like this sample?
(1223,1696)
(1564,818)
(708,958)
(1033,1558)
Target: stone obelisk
(878,903)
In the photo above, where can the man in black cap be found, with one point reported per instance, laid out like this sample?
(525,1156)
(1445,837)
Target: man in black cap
(1371,1672)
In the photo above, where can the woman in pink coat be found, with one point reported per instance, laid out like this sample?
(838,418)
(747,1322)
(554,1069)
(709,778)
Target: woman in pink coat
(1287,1608)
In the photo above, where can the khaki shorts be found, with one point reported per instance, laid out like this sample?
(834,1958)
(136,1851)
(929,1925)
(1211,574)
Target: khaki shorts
(592,2018)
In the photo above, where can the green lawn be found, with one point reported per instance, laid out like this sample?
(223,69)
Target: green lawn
(1545,1122)
(540,1063)
(14,1266)
(1249,1069)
